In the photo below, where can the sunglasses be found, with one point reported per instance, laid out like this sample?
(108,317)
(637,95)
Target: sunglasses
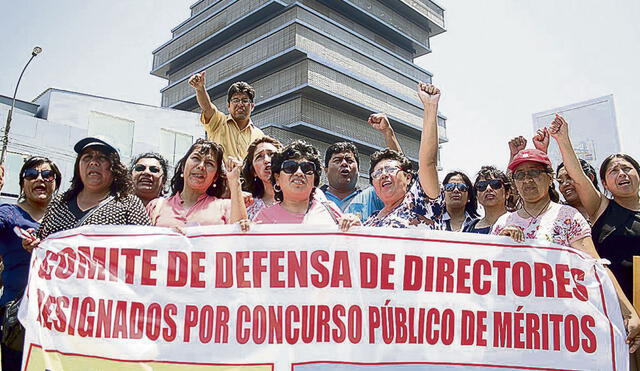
(31,174)
(152,168)
(291,167)
(533,173)
(483,184)
(391,170)
(450,187)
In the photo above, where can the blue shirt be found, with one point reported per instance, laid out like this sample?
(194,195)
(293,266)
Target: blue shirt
(16,259)
(360,202)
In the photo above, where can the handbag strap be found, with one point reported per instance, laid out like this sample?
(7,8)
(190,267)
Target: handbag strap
(330,210)
(93,211)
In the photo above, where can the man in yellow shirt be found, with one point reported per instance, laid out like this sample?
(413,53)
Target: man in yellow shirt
(234,131)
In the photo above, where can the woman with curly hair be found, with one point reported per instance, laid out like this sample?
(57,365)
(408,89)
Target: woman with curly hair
(197,186)
(495,193)
(409,200)
(101,193)
(295,175)
(256,173)
(149,174)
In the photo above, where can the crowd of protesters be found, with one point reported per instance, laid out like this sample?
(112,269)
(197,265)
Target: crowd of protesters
(240,175)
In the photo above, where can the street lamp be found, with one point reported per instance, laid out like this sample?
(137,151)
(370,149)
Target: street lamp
(5,138)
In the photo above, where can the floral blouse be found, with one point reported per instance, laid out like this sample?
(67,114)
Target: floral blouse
(560,224)
(416,210)
(255,208)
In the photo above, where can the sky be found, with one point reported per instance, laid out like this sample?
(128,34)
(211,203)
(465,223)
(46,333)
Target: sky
(499,61)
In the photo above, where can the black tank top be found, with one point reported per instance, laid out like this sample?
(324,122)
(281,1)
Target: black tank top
(616,235)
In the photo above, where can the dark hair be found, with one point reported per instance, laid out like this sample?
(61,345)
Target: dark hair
(389,154)
(121,186)
(553,194)
(297,150)
(34,161)
(252,183)
(491,172)
(341,147)
(163,164)
(605,164)
(472,204)
(588,170)
(241,87)
(204,147)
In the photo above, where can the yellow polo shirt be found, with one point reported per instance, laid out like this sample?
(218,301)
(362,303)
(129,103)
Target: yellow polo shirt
(224,130)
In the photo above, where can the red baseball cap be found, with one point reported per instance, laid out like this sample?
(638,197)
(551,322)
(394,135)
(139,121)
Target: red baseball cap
(533,155)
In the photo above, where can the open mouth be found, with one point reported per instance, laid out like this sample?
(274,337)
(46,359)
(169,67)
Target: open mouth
(298,181)
(490,196)
(345,172)
(40,188)
(624,182)
(386,183)
(198,176)
(145,182)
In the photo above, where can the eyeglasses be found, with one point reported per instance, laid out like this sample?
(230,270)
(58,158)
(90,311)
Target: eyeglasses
(291,167)
(31,174)
(483,184)
(391,170)
(152,168)
(450,187)
(243,101)
(533,173)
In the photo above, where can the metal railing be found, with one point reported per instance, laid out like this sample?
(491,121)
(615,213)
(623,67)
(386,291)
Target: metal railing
(204,30)
(199,17)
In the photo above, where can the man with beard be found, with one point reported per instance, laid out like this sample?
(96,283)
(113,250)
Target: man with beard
(234,131)
(341,163)
(149,173)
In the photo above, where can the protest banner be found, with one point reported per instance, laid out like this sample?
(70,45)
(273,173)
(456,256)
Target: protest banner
(310,298)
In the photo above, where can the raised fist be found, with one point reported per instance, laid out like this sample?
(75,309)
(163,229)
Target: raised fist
(516,145)
(379,121)
(428,93)
(197,81)
(541,140)
(559,128)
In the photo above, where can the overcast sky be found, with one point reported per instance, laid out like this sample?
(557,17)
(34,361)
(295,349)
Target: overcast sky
(499,62)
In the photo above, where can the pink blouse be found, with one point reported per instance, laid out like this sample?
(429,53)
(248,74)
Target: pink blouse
(208,210)
(319,213)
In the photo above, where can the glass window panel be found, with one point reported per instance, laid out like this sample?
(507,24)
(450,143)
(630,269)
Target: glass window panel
(117,131)
(167,143)
(173,145)
(183,142)
(13,164)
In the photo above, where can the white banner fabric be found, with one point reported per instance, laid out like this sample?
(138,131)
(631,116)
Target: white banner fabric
(302,298)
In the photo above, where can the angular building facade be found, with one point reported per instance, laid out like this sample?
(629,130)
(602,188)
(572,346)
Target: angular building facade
(319,67)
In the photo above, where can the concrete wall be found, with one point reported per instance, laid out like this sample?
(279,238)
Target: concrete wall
(68,119)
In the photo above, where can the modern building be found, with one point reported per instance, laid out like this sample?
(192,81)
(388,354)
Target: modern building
(51,124)
(319,67)
(592,127)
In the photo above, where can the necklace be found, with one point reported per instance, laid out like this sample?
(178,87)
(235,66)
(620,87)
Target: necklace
(535,218)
